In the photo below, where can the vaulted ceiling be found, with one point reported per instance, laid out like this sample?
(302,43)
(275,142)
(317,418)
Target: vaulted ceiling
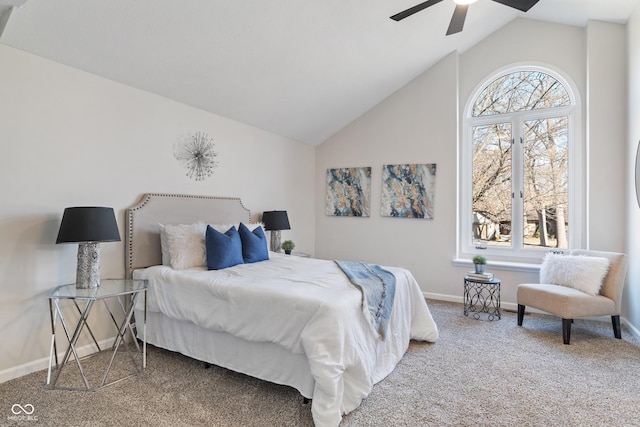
(299,68)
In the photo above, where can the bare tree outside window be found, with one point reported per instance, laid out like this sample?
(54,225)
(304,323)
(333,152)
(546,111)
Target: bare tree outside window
(520,162)
(521,91)
(492,183)
(546,158)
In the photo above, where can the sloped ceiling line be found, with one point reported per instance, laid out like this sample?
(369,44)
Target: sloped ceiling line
(303,69)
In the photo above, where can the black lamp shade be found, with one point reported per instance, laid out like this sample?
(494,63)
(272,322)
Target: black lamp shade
(275,220)
(88,224)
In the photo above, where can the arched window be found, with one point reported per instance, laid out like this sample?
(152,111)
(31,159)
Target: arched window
(519,168)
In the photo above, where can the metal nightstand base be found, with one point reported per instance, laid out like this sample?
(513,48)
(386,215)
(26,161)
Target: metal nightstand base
(113,289)
(482,297)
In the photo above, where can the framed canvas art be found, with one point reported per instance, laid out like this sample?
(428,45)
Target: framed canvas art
(408,190)
(348,192)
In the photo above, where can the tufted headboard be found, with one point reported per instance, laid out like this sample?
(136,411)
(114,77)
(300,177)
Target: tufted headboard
(143,233)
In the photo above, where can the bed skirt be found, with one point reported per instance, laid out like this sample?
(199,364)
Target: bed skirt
(258,359)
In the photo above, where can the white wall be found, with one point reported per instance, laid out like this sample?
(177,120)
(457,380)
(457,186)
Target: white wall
(419,124)
(632,291)
(70,138)
(606,132)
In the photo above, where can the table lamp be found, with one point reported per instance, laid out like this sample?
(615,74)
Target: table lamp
(88,226)
(275,221)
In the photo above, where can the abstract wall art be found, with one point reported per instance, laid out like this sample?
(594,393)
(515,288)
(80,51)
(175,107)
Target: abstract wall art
(348,192)
(408,190)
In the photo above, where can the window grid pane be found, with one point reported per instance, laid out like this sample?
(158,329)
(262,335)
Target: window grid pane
(492,185)
(546,176)
(520,91)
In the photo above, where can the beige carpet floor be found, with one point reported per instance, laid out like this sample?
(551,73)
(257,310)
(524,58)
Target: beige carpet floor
(478,374)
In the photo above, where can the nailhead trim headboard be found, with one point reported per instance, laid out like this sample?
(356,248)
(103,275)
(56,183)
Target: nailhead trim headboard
(143,233)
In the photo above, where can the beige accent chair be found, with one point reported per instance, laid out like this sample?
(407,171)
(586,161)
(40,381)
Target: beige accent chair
(569,303)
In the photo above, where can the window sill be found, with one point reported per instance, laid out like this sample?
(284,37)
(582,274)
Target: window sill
(501,265)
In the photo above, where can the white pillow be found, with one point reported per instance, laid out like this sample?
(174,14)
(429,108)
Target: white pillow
(254,225)
(164,246)
(223,228)
(183,245)
(584,273)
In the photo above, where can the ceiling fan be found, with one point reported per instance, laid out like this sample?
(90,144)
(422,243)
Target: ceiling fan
(457,20)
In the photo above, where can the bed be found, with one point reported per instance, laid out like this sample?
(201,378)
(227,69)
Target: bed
(290,320)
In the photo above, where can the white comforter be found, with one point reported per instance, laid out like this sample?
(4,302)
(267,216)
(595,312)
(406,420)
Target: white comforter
(307,306)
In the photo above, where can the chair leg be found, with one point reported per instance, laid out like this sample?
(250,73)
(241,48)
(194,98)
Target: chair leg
(566,330)
(520,314)
(615,321)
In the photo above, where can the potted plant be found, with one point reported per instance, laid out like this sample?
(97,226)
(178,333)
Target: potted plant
(287,246)
(479,262)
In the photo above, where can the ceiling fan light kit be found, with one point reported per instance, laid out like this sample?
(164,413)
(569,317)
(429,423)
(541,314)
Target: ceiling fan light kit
(460,13)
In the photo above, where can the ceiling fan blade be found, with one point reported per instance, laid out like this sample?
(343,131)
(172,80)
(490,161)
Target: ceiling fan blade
(523,5)
(414,9)
(457,20)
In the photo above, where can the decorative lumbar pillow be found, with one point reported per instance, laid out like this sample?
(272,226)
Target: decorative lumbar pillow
(184,244)
(254,244)
(584,273)
(223,249)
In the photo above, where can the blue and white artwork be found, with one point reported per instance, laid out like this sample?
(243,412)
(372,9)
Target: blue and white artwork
(408,190)
(348,192)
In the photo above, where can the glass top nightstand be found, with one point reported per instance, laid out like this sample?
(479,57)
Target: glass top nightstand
(108,288)
(126,293)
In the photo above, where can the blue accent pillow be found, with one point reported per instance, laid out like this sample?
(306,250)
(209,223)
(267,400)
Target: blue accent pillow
(254,244)
(223,250)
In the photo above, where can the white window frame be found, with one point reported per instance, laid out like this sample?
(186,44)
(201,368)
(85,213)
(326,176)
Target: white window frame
(517,257)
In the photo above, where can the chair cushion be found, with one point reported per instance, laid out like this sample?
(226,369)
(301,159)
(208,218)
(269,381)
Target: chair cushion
(584,273)
(563,301)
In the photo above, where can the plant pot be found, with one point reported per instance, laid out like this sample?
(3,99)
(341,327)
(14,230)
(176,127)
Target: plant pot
(288,252)
(479,268)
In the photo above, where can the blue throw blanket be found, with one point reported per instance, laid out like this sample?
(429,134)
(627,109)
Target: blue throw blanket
(378,287)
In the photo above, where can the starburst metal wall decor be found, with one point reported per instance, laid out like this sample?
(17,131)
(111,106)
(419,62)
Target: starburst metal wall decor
(197,156)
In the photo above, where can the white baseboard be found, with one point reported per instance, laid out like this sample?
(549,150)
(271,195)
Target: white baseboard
(509,306)
(457,298)
(40,364)
(632,328)
(443,297)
